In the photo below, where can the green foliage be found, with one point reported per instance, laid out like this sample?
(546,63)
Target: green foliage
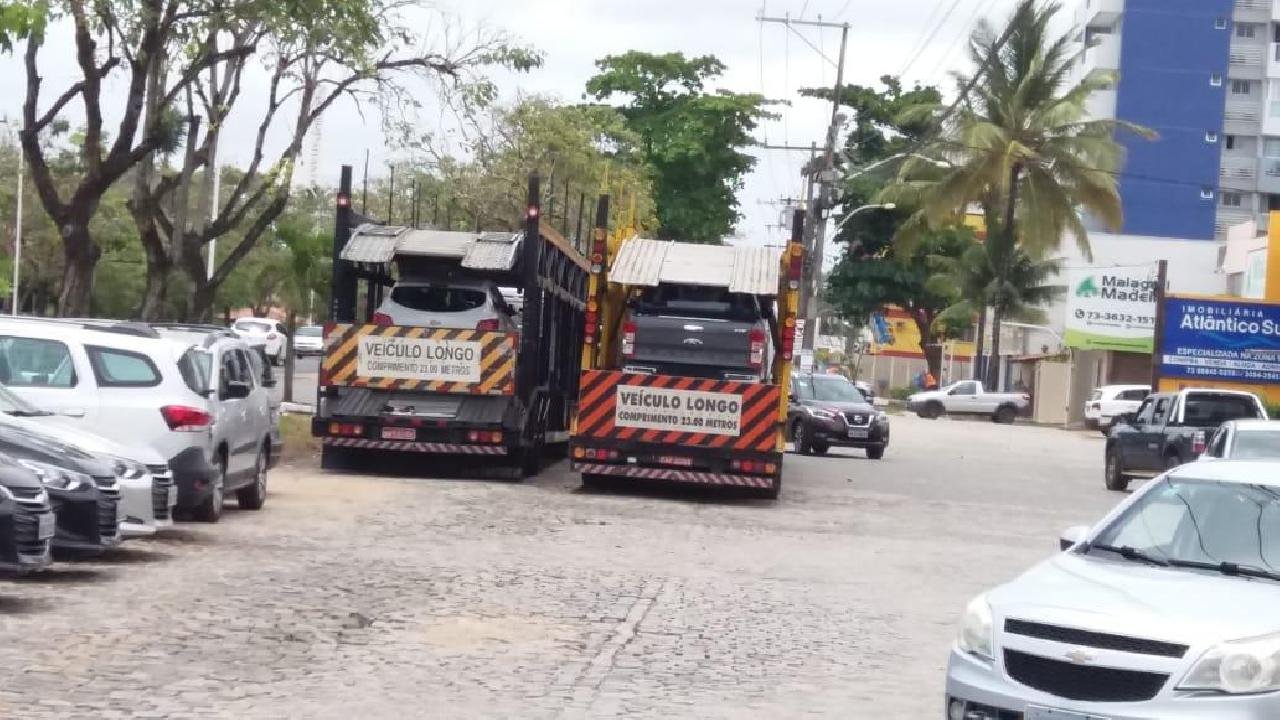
(20,20)
(902,392)
(693,139)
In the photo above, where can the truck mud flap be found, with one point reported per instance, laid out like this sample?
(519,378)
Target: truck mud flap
(418,447)
(671,475)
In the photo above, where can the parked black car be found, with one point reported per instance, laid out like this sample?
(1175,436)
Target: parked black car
(82,489)
(1170,429)
(829,410)
(26,519)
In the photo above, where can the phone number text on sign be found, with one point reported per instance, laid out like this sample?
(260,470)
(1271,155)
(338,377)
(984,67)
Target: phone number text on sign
(678,410)
(419,359)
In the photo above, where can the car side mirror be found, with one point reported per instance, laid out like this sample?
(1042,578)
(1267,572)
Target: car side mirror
(1072,536)
(237,390)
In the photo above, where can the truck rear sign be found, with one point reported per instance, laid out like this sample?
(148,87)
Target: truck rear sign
(446,360)
(423,359)
(652,408)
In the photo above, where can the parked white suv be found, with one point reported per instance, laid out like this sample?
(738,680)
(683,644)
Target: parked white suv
(454,304)
(1109,402)
(193,397)
(269,333)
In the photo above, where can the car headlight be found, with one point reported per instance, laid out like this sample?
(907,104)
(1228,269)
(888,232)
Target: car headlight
(5,493)
(126,469)
(1238,667)
(822,413)
(976,632)
(56,477)
(881,417)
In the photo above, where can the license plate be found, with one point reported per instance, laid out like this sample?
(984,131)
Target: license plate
(45,526)
(1044,713)
(397,433)
(858,433)
(673,460)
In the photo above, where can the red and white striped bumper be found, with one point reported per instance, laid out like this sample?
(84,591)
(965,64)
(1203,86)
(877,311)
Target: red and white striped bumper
(420,447)
(673,475)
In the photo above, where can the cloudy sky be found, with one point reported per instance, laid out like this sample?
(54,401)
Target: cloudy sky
(884,38)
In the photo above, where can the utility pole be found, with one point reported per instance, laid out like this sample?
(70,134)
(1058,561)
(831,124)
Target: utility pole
(1162,281)
(822,175)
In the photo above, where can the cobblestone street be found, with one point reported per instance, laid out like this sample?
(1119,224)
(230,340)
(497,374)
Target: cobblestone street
(354,596)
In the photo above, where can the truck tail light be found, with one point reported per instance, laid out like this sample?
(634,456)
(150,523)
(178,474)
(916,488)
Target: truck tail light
(591,323)
(628,339)
(487,325)
(348,429)
(795,266)
(597,254)
(757,347)
(788,337)
(181,418)
(1198,443)
(382,320)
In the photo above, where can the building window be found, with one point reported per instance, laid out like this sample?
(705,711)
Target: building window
(1246,30)
(1230,142)
(1210,136)
(1220,23)
(1231,199)
(1215,79)
(1240,87)
(1271,148)
(1206,193)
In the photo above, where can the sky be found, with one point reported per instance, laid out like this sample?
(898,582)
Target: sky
(924,38)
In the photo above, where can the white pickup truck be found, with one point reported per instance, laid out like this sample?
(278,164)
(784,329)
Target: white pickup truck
(968,397)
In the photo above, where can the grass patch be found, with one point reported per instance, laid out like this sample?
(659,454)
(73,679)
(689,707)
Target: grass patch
(299,445)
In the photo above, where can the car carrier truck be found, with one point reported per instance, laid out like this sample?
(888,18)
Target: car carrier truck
(504,390)
(686,360)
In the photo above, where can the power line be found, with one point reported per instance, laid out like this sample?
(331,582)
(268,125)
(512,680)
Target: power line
(928,23)
(970,25)
(937,28)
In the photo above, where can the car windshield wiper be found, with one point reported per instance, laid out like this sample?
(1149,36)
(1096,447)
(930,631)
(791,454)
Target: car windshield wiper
(1129,553)
(1228,568)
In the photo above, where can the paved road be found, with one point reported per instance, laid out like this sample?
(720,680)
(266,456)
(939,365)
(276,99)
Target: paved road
(304,381)
(353,596)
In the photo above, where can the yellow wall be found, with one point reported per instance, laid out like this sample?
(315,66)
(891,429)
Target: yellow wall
(1273,258)
(1270,394)
(906,339)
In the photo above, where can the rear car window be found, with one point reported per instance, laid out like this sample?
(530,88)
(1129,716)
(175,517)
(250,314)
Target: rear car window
(251,326)
(696,301)
(122,368)
(1256,445)
(195,366)
(1204,409)
(310,331)
(438,298)
(35,362)
(1134,395)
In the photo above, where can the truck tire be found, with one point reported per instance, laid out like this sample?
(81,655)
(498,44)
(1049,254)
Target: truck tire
(801,437)
(1005,415)
(820,448)
(1113,476)
(773,492)
(933,410)
(875,452)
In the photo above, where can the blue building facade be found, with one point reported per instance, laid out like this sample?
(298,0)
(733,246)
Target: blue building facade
(1174,56)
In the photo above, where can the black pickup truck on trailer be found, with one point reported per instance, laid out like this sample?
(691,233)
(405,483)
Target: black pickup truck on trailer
(444,365)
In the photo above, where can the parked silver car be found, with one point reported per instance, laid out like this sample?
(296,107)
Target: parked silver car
(1244,440)
(1166,609)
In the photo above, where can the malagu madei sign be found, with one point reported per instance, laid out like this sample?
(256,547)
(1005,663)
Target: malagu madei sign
(1112,308)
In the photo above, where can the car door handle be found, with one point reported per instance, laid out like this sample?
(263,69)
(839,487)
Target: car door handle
(72,412)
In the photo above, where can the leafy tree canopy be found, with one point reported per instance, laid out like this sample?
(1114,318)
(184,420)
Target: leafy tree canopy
(692,138)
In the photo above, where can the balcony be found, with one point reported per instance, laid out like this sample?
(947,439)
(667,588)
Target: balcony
(1273,59)
(1253,11)
(1099,13)
(1239,172)
(1242,117)
(1269,175)
(1248,59)
(1104,54)
(1229,217)
(1101,104)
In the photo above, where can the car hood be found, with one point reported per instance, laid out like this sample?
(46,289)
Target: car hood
(1127,598)
(59,428)
(13,475)
(33,445)
(855,407)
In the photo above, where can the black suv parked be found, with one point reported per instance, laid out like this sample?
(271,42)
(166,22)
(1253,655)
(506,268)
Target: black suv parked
(26,519)
(82,489)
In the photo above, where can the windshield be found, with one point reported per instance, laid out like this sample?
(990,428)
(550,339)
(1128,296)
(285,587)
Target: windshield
(252,326)
(1208,410)
(310,331)
(438,298)
(11,404)
(1256,444)
(698,301)
(835,390)
(1202,522)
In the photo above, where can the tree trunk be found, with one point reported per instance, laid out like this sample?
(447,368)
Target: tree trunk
(158,268)
(979,347)
(993,367)
(291,322)
(1002,274)
(80,259)
(928,342)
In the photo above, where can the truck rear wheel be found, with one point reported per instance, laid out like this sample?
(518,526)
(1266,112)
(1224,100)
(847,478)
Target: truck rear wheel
(1005,415)
(1115,479)
(932,410)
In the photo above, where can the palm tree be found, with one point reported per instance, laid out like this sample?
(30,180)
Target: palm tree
(1020,144)
(971,277)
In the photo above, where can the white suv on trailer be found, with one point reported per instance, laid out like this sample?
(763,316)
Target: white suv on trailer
(192,397)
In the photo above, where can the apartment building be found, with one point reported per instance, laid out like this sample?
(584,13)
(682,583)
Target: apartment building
(1205,75)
